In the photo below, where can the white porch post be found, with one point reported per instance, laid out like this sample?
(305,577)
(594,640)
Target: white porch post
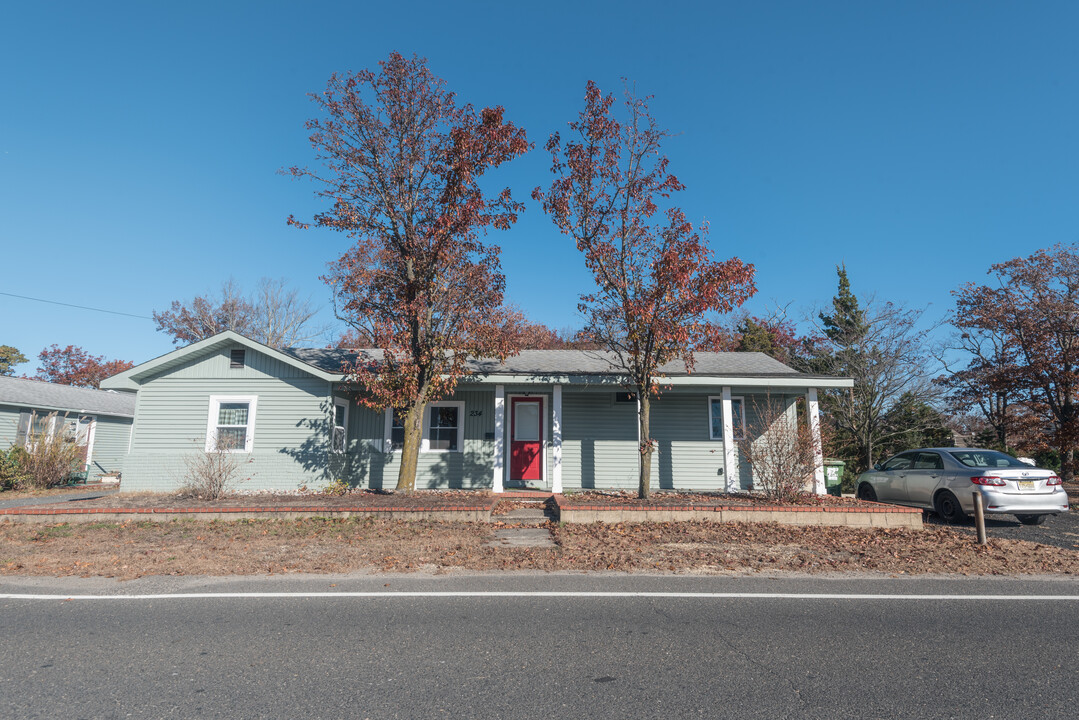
(556,439)
(730,451)
(500,438)
(813,416)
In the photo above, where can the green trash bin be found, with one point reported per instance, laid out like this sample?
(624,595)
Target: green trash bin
(833,476)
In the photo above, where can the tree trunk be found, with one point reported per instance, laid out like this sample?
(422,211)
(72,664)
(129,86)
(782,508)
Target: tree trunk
(644,403)
(410,450)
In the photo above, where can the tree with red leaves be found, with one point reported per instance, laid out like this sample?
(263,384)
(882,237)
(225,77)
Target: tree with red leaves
(74,366)
(1033,308)
(657,285)
(401,164)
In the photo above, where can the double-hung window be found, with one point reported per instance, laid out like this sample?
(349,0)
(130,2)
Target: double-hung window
(231,423)
(715,417)
(443,427)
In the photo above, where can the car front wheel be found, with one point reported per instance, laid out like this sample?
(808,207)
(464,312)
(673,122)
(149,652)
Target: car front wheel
(866,492)
(948,507)
(1032,519)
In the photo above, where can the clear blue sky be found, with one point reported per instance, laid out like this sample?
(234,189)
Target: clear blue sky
(918,142)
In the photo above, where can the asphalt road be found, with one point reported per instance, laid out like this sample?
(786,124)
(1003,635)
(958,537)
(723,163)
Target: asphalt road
(535,656)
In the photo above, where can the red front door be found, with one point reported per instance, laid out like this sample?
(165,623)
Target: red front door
(526,438)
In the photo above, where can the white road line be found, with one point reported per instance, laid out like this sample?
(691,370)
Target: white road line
(536,594)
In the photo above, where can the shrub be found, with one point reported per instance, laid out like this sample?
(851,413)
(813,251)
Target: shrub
(50,457)
(780,450)
(13,475)
(215,474)
(337,488)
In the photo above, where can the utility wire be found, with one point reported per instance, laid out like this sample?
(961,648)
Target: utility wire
(80,307)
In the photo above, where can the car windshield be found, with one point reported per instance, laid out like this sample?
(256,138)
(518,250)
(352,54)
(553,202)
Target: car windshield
(986,459)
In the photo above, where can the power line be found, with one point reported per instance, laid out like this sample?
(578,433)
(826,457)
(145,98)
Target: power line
(80,307)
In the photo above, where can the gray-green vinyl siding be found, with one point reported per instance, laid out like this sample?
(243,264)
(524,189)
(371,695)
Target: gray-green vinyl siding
(291,427)
(216,366)
(367,465)
(292,431)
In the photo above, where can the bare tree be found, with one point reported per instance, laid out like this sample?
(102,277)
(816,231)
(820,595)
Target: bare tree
(274,315)
(986,384)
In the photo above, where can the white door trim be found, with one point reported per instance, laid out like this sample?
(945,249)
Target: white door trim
(543,398)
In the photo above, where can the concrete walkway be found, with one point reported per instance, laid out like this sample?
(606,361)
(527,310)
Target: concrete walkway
(524,536)
(51,499)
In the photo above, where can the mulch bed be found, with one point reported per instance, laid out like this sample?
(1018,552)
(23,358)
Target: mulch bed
(427,499)
(246,547)
(665,498)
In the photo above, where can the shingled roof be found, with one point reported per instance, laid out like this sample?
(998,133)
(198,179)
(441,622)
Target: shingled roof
(573,362)
(38,394)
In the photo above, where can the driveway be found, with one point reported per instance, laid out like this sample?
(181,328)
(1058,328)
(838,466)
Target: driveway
(1060,530)
(51,499)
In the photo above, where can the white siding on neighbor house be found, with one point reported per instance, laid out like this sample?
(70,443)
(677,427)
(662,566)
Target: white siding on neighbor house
(9,425)
(291,427)
(111,435)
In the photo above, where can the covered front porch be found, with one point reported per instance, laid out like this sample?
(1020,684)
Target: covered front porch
(564,436)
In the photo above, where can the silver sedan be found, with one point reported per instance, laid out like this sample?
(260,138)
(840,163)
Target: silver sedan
(944,480)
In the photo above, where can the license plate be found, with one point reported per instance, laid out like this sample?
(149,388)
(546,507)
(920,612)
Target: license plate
(1025,484)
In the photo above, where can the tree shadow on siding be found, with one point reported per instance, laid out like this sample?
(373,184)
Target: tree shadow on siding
(666,465)
(459,471)
(588,464)
(313,454)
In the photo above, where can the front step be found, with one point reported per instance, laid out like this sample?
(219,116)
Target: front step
(529,515)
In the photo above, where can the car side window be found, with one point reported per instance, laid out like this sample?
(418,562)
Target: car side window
(928,461)
(899,462)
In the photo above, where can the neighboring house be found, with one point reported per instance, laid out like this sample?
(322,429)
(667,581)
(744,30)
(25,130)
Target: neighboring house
(547,419)
(98,420)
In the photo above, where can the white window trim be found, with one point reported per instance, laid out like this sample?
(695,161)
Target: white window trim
(425,441)
(739,428)
(339,402)
(212,415)
(425,445)
(387,435)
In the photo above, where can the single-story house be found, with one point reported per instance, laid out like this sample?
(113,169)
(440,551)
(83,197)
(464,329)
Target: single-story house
(545,419)
(98,420)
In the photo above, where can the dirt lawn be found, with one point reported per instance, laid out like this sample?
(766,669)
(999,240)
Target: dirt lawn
(244,547)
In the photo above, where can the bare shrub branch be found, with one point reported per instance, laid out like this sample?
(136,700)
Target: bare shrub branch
(214,474)
(780,450)
(51,456)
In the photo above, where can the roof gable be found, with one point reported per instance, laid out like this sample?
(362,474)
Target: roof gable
(133,378)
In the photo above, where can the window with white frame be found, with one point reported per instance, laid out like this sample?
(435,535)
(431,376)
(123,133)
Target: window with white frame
(715,417)
(395,429)
(443,427)
(231,423)
(340,425)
